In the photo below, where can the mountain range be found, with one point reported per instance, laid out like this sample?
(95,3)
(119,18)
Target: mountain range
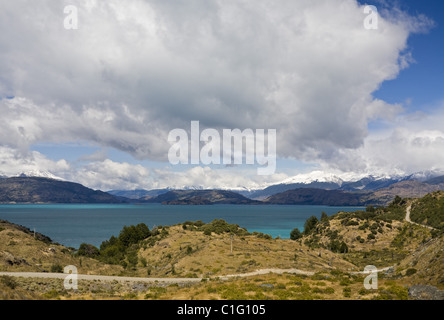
(368,190)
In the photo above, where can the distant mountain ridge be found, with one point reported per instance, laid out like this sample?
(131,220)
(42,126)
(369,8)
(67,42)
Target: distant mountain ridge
(200,197)
(364,192)
(309,196)
(369,183)
(138,193)
(45,190)
(380,197)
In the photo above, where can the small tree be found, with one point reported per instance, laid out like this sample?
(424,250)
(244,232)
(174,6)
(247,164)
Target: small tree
(324,217)
(88,250)
(310,224)
(295,234)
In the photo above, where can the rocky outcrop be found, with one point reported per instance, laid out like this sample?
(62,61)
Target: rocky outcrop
(423,292)
(8,259)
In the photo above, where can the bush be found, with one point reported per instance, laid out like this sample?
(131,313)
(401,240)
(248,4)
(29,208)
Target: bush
(52,294)
(9,281)
(324,217)
(338,247)
(88,250)
(221,226)
(295,234)
(133,234)
(114,250)
(56,268)
(410,272)
(310,224)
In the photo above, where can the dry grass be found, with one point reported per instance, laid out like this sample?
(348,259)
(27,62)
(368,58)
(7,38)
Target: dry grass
(20,252)
(194,254)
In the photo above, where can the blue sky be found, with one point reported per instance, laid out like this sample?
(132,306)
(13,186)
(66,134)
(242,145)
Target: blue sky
(423,81)
(95,104)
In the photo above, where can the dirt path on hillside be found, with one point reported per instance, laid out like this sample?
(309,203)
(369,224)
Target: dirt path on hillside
(407,218)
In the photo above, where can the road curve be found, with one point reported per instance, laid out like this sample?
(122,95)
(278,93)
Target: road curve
(407,218)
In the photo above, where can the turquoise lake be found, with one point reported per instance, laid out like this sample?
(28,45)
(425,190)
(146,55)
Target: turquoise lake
(73,224)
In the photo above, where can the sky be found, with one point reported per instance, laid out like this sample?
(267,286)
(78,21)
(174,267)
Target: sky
(95,103)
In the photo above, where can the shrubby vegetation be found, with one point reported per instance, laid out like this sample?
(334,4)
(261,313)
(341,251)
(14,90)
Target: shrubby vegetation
(123,249)
(221,226)
(295,234)
(119,250)
(429,211)
(310,225)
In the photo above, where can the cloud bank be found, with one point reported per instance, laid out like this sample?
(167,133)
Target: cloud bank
(135,70)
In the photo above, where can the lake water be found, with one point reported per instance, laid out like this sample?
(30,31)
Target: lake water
(73,224)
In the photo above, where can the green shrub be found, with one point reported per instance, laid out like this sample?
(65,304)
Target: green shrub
(9,281)
(295,234)
(310,225)
(56,268)
(88,250)
(410,272)
(52,294)
(220,226)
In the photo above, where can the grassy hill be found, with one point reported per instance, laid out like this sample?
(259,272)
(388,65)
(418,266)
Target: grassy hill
(20,251)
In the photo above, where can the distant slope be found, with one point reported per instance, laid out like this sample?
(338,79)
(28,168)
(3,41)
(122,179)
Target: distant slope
(381,197)
(275,189)
(368,183)
(404,189)
(44,190)
(438,181)
(201,197)
(138,194)
(317,197)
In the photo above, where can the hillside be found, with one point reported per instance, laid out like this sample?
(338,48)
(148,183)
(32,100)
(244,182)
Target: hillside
(138,194)
(429,210)
(21,251)
(320,263)
(404,189)
(279,188)
(316,197)
(383,238)
(381,197)
(439,181)
(198,197)
(44,190)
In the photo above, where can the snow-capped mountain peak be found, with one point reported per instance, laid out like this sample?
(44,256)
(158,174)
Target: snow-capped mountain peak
(40,174)
(315,176)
